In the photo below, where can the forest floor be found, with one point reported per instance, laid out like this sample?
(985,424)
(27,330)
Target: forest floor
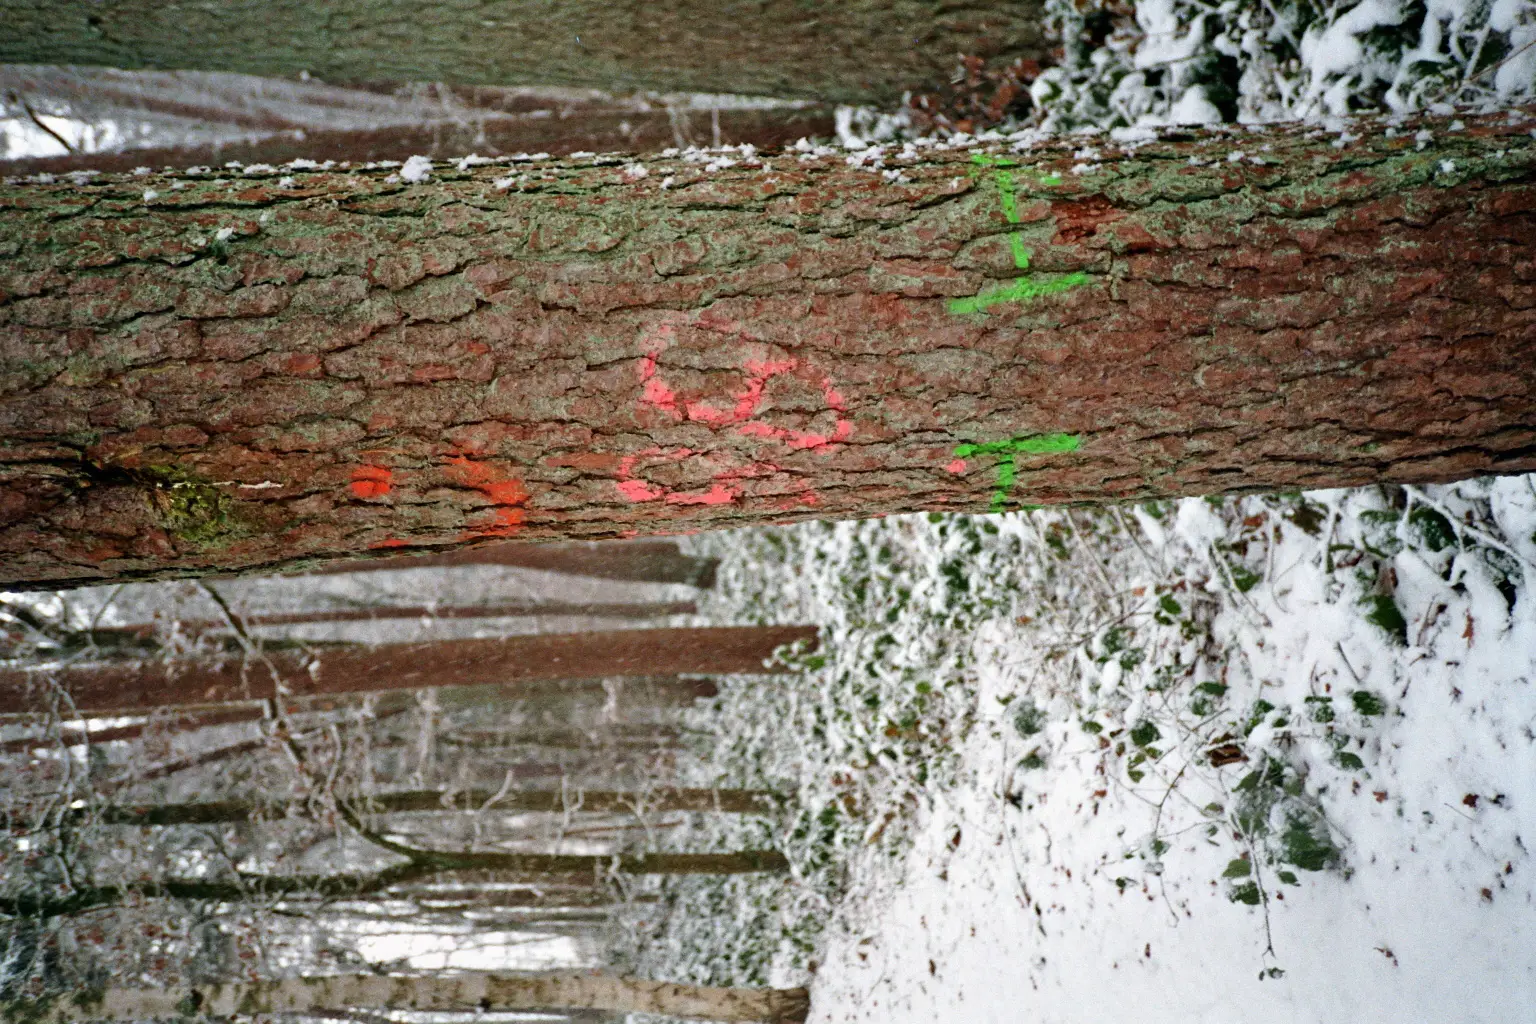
(1268,758)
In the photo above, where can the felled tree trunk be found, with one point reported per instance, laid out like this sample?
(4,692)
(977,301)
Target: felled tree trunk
(841,51)
(460,992)
(231,374)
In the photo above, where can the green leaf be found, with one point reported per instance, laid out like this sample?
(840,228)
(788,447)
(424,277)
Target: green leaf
(1433,528)
(1288,877)
(1367,703)
(1349,761)
(1238,868)
(1169,605)
(1247,893)
(1090,726)
(1144,733)
(1261,708)
(1214,689)
(1028,719)
(1385,614)
(1306,844)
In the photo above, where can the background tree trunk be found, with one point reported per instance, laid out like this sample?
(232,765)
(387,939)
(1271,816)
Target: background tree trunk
(457,992)
(187,118)
(841,51)
(424,801)
(643,561)
(245,375)
(142,685)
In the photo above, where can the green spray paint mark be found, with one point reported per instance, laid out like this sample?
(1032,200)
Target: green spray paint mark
(1020,254)
(1021,288)
(1010,450)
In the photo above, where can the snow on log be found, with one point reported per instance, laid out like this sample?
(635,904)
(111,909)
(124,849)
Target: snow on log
(275,368)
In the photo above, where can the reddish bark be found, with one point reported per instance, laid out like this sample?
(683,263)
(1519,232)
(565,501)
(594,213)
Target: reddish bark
(140,685)
(590,352)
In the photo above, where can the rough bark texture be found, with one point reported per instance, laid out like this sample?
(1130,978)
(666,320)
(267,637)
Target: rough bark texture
(460,992)
(843,51)
(137,686)
(239,375)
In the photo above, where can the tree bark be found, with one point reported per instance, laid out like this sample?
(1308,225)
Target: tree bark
(430,800)
(137,686)
(459,992)
(841,51)
(365,364)
(641,561)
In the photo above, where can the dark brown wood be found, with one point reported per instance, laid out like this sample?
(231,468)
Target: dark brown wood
(452,663)
(580,351)
(522,609)
(643,561)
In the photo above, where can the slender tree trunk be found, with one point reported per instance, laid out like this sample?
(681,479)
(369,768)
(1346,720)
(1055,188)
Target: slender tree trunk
(243,375)
(744,801)
(70,736)
(425,864)
(461,992)
(844,51)
(642,561)
(522,609)
(272,121)
(137,686)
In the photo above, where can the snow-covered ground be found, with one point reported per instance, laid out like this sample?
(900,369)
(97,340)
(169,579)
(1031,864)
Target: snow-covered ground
(1264,759)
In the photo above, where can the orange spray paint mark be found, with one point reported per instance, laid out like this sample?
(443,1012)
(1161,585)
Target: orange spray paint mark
(505,493)
(371,481)
(388,542)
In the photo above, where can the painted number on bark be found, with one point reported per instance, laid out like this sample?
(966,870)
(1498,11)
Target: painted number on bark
(1008,453)
(1026,286)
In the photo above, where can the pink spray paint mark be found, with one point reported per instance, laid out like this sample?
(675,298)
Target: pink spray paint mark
(746,404)
(957,467)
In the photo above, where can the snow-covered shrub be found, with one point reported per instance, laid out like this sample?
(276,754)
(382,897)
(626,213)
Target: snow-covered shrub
(1193,62)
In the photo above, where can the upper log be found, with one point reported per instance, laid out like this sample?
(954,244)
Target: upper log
(840,51)
(231,374)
